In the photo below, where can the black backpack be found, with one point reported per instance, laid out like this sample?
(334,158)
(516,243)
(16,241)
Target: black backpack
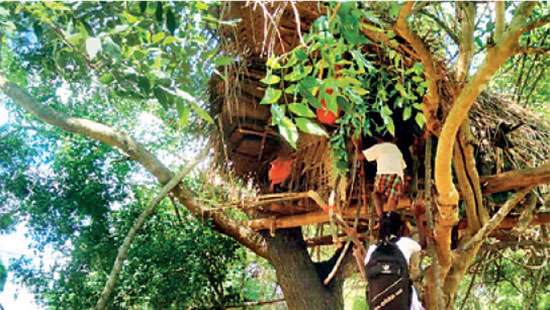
(389,285)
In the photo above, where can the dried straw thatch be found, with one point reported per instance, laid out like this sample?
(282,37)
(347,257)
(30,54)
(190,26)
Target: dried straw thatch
(246,142)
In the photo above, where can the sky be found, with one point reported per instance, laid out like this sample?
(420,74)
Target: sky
(14,296)
(14,245)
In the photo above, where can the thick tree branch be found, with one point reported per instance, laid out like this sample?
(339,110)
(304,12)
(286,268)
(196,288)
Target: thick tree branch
(499,20)
(516,179)
(138,223)
(496,56)
(139,153)
(497,218)
(431,103)
(467,11)
(90,129)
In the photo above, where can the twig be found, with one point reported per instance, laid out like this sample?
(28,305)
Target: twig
(472,282)
(442,24)
(497,218)
(297,20)
(138,223)
(531,267)
(337,265)
(535,288)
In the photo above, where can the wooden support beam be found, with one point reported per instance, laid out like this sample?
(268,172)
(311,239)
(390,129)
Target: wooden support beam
(506,224)
(310,218)
(516,179)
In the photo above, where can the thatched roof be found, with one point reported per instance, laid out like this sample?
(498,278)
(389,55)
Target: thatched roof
(247,143)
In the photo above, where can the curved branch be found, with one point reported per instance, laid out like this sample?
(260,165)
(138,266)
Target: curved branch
(139,153)
(138,223)
(497,218)
(432,97)
(496,56)
(467,10)
(499,20)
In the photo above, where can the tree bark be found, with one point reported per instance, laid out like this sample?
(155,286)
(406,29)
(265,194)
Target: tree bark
(516,179)
(300,278)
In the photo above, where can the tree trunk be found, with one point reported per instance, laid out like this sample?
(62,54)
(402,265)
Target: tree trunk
(300,279)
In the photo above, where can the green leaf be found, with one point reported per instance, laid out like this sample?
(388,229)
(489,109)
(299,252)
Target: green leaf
(183,113)
(394,9)
(270,79)
(130,18)
(407,113)
(301,55)
(201,112)
(56,6)
(402,91)
(273,63)
(308,126)
(158,37)
(142,6)
(223,60)
(144,84)
(289,131)
(420,120)
(308,82)
(301,109)
(347,81)
(4,12)
(169,40)
(106,78)
(291,89)
(171,22)
(277,114)
(390,126)
(386,111)
(201,6)
(359,58)
(93,47)
(162,97)
(298,73)
(111,48)
(271,95)
(158,12)
(359,90)
(478,41)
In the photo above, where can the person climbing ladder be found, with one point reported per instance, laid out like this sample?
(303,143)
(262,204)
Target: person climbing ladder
(388,184)
(387,268)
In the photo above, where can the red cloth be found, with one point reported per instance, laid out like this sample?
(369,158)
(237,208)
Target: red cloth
(280,170)
(324,115)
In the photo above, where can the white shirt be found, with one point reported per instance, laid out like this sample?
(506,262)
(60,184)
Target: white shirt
(408,247)
(389,159)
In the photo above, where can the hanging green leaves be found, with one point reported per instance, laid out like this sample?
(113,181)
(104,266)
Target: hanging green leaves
(271,95)
(289,131)
(308,126)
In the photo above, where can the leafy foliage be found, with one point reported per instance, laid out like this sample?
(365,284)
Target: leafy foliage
(84,209)
(332,72)
(138,51)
